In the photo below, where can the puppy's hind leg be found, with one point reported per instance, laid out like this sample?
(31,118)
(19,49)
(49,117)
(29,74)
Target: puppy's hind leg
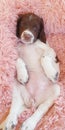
(32,121)
(17,107)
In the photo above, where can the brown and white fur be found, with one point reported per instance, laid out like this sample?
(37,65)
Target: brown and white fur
(37,82)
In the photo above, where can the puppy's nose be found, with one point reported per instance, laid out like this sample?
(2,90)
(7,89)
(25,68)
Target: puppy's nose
(27,37)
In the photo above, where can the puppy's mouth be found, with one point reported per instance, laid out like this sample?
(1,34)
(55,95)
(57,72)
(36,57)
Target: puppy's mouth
(27,37)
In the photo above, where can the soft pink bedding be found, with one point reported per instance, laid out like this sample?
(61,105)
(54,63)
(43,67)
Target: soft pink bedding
(53,14)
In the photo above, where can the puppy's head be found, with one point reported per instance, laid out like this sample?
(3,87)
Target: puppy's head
(29,27)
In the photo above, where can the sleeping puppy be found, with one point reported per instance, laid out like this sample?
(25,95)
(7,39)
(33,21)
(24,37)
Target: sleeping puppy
(30,27)
(37,74)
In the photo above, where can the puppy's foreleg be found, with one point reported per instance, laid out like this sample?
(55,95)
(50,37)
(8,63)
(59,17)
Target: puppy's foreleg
(48,61)
(51,68)
(49,64)
(22,74)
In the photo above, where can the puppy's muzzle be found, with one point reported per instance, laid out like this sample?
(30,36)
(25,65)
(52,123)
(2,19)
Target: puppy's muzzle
(27,37)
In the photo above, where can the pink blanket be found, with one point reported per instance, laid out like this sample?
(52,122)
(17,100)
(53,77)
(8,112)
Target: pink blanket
(53,14)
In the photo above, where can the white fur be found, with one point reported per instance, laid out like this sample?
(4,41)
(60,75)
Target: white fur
(51,68)
(20,101)
(17,108)
(48,62)
(27,32)
(22,74)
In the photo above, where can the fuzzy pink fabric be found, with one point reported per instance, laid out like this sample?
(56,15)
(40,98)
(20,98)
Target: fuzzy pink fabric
(53,13)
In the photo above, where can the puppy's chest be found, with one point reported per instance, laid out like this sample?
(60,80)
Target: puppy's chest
(30,56)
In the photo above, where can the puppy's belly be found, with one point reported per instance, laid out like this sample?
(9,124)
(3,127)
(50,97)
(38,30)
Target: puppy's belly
(39,87)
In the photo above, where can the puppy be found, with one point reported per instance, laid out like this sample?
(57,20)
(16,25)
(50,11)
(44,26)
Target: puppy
(37,74)
(30,27)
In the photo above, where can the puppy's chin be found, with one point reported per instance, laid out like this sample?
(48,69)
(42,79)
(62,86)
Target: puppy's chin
(27,37)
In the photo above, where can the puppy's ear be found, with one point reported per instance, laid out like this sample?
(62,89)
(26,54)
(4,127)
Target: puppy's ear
(18,24)
(42,35)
